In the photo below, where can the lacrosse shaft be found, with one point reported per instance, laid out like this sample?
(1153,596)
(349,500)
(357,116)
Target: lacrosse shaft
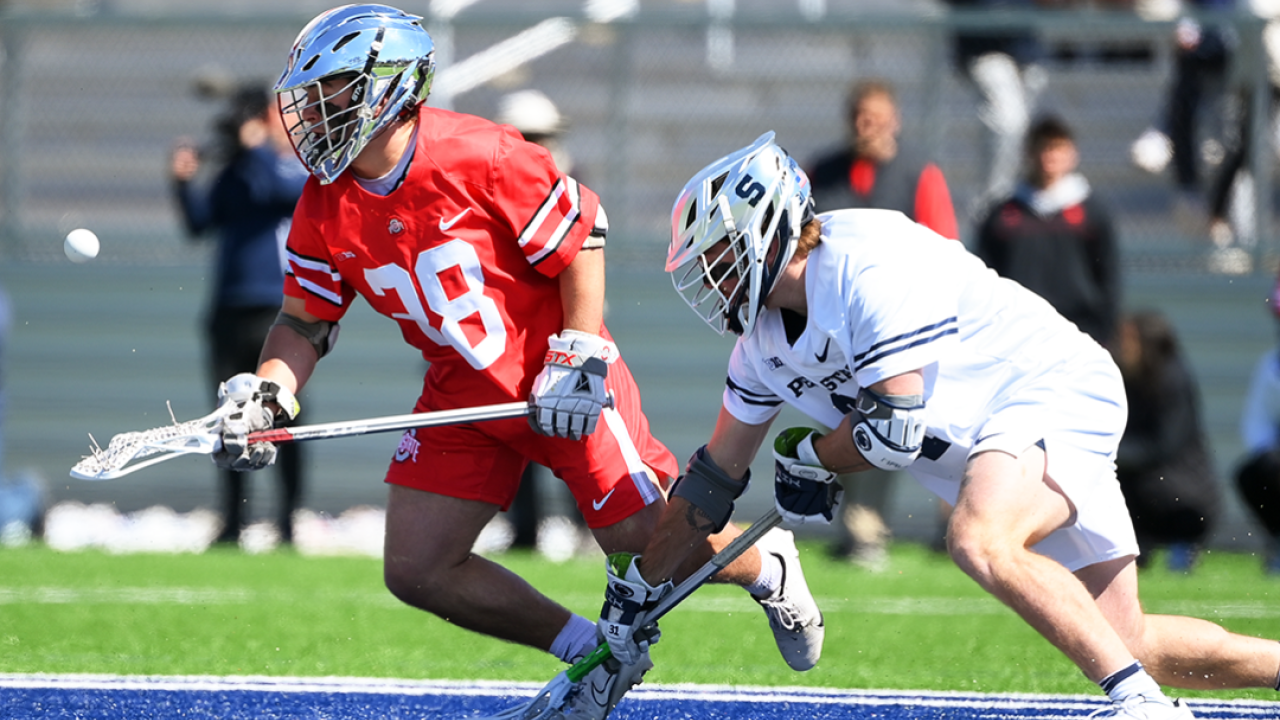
(718,562)
(348,428)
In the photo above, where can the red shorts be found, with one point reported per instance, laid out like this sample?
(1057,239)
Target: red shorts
(484,461)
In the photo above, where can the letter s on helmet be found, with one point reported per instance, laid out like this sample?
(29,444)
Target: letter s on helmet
(386,61)
(734,227)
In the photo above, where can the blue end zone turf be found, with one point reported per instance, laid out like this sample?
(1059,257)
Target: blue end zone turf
(92,697)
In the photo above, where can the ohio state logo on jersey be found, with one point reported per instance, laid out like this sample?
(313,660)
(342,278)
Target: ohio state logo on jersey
(395,227)
(409,446)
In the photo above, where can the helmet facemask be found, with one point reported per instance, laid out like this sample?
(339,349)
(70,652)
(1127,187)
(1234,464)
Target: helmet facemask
(718,280)
(352,73)
(734,229)
(335,118)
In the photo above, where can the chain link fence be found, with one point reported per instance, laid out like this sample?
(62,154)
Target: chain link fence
(92,104)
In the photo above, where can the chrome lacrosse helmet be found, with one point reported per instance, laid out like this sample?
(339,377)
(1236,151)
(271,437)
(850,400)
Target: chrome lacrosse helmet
(377,58)
(734,227)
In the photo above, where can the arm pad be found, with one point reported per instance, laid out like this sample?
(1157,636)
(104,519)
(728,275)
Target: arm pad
(322,335)
(888,429)
(709,488)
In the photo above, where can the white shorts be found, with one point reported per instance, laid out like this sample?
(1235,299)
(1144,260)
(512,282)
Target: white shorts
(1103,529)
(1078,419)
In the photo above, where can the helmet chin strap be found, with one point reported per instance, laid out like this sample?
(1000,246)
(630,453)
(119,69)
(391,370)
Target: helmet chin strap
(783,249)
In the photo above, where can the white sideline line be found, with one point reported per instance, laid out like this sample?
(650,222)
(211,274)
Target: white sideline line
(52,595)
(750,694)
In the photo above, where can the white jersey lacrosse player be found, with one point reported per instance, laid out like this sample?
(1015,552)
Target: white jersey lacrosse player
(1002,370)
(920,357)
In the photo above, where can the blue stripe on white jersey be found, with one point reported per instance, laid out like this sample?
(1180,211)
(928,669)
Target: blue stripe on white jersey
(752,398)
(906,341)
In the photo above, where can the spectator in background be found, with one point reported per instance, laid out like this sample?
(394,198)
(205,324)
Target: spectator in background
(557,533)
(1003,65)
(1201,54)
(539,121)
(1055,237)
(1232,232)
(248,207)
(1258,477)
(22,498)
(872,171)
(1163,464)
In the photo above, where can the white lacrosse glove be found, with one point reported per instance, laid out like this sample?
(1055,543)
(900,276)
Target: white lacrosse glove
(569,393)
(803,490)
(243,403)
(627,602)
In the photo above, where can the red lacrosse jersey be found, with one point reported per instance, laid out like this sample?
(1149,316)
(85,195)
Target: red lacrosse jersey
(463,255)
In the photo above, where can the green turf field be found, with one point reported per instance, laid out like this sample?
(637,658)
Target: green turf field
(919,625)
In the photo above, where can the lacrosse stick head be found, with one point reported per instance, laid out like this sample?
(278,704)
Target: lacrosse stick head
(734,227)
(550,702)
(132,451)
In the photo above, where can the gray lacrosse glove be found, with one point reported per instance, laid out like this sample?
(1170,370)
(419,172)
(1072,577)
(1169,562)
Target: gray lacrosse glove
(248,403)
(627,602)
(803,490)
(569,394)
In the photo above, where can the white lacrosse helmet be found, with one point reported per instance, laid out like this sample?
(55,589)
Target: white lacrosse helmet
(754,203)
(390,61)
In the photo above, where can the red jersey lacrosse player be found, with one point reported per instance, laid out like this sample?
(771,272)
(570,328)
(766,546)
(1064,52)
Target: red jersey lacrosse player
(491,261)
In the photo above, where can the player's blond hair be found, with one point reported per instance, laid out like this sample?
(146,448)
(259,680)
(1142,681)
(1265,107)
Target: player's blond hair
(810,236)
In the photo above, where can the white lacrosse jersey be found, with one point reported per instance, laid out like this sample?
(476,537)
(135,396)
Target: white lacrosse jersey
(888,296)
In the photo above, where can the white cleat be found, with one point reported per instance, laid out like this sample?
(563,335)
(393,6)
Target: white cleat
(1141,707)
(599,692)
(793,614)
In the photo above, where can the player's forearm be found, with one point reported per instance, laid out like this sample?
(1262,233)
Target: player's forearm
(681,528)
(837,451)
(287,358)
(582,292)
(685,526)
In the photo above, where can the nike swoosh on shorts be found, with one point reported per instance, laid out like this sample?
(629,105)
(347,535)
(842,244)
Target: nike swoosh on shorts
(597,504)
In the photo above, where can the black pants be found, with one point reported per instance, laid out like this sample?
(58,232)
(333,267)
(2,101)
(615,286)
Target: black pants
(1237,156)
(1193,72)
(235,340)
(1258,480)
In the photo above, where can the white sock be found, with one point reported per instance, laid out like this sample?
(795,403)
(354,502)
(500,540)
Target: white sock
(770,578)
(1132,680)
(576,639)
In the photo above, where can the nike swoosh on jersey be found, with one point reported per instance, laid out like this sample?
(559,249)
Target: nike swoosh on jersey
(825,349)
(446,224)
(597,504)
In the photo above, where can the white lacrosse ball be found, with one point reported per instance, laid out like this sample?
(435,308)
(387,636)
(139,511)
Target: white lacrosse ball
(81,245)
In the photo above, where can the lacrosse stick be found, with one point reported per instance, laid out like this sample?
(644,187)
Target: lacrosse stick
(135,450)
(549,702)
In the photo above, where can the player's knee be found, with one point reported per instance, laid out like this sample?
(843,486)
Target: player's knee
(415,584)
(974,551)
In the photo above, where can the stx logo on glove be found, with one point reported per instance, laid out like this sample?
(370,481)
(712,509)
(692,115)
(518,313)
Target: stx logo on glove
(559,357)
